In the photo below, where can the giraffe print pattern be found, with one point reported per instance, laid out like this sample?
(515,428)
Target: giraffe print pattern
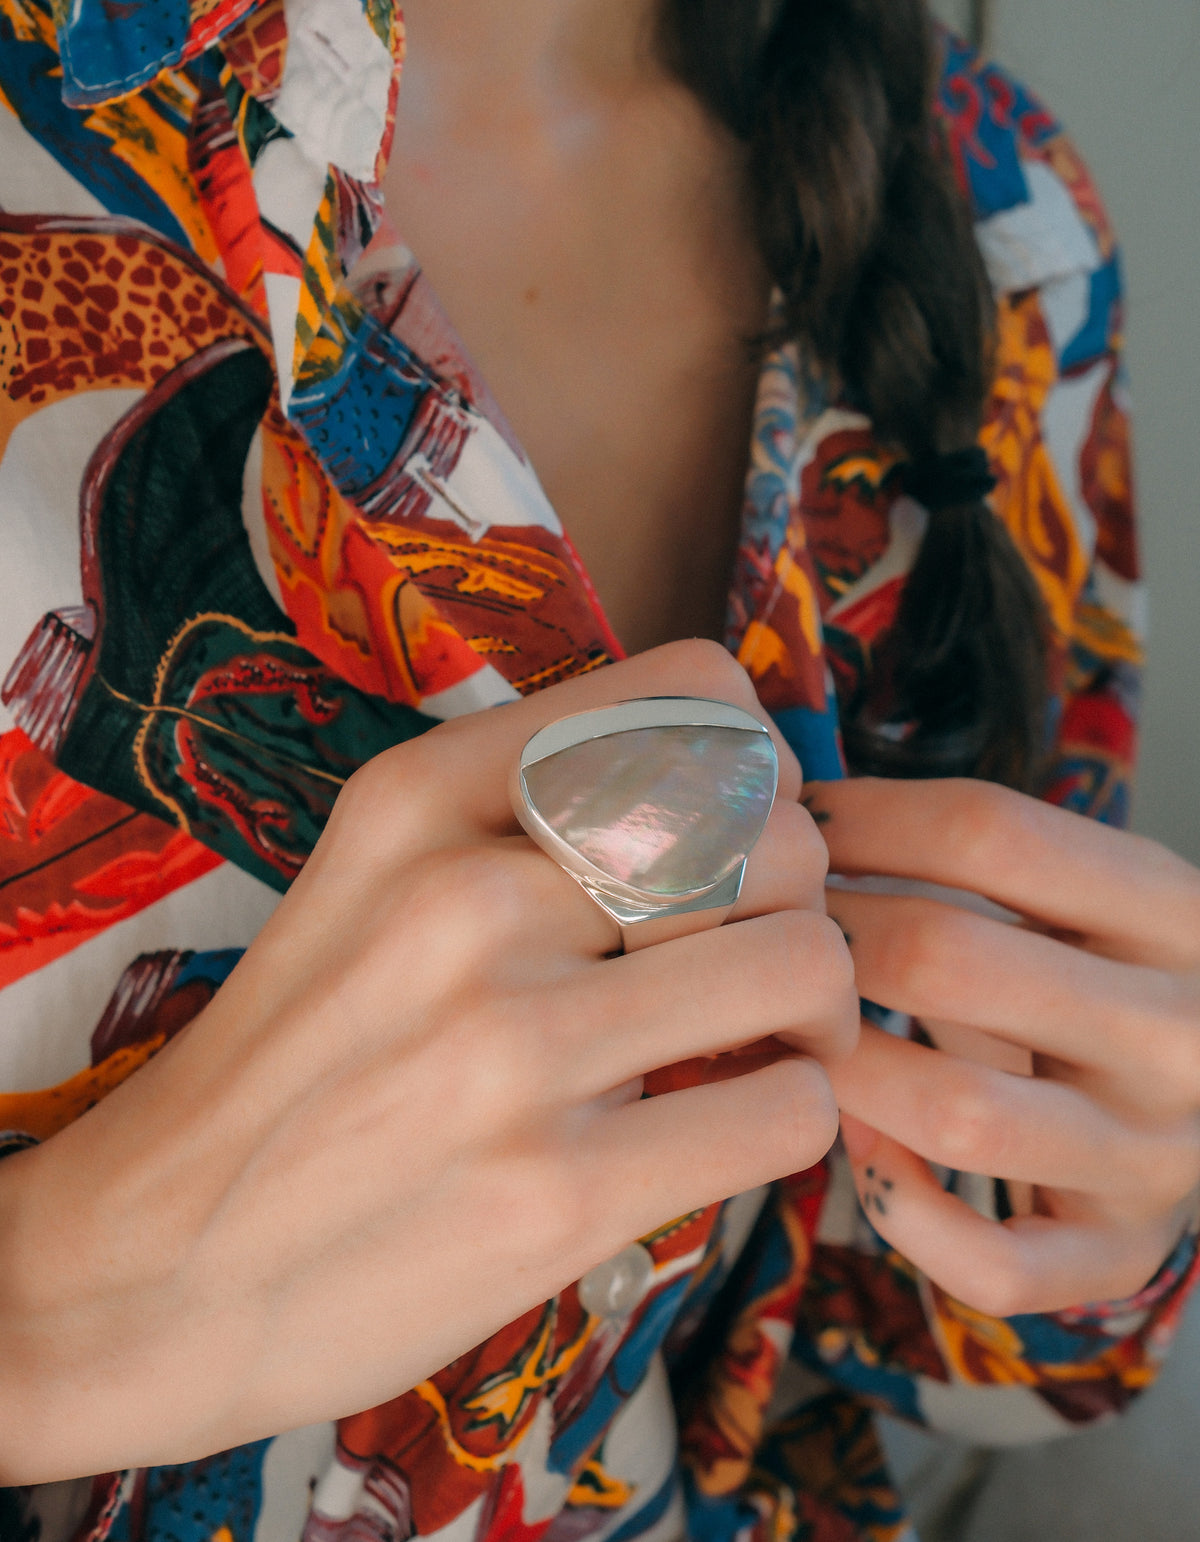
(87,304)
(255,50)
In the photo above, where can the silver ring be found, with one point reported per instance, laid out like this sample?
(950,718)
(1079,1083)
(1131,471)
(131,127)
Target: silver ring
(652,806)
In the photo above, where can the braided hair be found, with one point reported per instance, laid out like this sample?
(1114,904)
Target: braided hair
(869,241)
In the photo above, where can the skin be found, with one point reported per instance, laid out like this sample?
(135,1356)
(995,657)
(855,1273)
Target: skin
(1068,1058)
(593,236)
(583,223)
(186,1268)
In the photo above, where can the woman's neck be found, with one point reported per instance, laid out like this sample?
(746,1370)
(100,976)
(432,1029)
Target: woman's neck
(537,52)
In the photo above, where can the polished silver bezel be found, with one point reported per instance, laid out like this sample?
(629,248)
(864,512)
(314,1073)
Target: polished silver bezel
(626,903)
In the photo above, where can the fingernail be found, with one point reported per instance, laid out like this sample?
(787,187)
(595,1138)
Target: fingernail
(858,1138)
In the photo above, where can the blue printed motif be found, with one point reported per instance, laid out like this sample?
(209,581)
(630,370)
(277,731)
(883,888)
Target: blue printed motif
(29,80)
(193,1502)
(357,418)
(1094,339)
(103,52)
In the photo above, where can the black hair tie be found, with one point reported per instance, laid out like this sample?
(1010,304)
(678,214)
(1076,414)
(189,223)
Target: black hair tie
(945,481)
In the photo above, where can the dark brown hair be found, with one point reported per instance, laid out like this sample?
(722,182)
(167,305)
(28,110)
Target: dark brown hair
(870,242)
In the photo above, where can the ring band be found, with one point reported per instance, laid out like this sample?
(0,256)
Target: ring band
(652,806)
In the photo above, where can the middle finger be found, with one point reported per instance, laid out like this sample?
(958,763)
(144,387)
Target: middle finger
(786,974)
(1124,1026)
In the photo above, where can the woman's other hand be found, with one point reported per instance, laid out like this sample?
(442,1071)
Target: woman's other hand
(1068,1045)
(410,1115)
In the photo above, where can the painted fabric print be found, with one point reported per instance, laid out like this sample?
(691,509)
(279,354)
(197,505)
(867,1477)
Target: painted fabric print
(261,518)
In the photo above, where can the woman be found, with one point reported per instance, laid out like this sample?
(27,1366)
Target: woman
(409,1122)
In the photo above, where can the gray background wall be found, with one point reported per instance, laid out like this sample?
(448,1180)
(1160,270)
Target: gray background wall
(1124,75)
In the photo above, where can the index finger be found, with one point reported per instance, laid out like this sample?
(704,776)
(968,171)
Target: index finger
(1120,894)
(458,772)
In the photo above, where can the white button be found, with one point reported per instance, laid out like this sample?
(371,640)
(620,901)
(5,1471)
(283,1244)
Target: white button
(617,1285)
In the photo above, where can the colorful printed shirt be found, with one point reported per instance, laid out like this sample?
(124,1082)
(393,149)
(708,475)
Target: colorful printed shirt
(259,519)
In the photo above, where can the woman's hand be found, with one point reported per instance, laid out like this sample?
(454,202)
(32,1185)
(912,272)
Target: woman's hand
(1068,1057)
(410,1115)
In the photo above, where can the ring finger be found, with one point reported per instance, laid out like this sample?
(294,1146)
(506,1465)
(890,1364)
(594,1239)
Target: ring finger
(976,1119)
(785,871)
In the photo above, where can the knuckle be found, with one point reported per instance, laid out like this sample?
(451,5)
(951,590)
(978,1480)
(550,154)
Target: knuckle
(497,1048)
(701,665)
(808,853)
(1177,1029)
(1167,1170)
(806,1113)
(983,824)
(368,812)
(808,979)
(816,944)
(996,1280)
(917,957)
(478,891)
(968,1129)
(698,666)
(362,793)
(1189,906)
(1176,877)
(839,966)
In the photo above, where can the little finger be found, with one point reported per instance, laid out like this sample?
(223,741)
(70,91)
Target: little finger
(1027,1264)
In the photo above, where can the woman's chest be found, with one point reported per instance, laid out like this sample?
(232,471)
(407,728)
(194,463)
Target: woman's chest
(603,281)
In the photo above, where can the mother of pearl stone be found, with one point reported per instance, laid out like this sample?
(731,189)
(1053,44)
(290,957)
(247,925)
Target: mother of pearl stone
(669,811)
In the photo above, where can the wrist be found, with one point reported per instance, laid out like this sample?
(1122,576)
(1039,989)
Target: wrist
(116,1345)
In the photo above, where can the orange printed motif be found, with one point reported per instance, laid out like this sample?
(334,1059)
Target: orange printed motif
(979,1348)
(781,650)
(1029,497)
(407,609)
(97,304)
(846,491)
(456,1431)
(987,1350)
(838,529)
(42,1114)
